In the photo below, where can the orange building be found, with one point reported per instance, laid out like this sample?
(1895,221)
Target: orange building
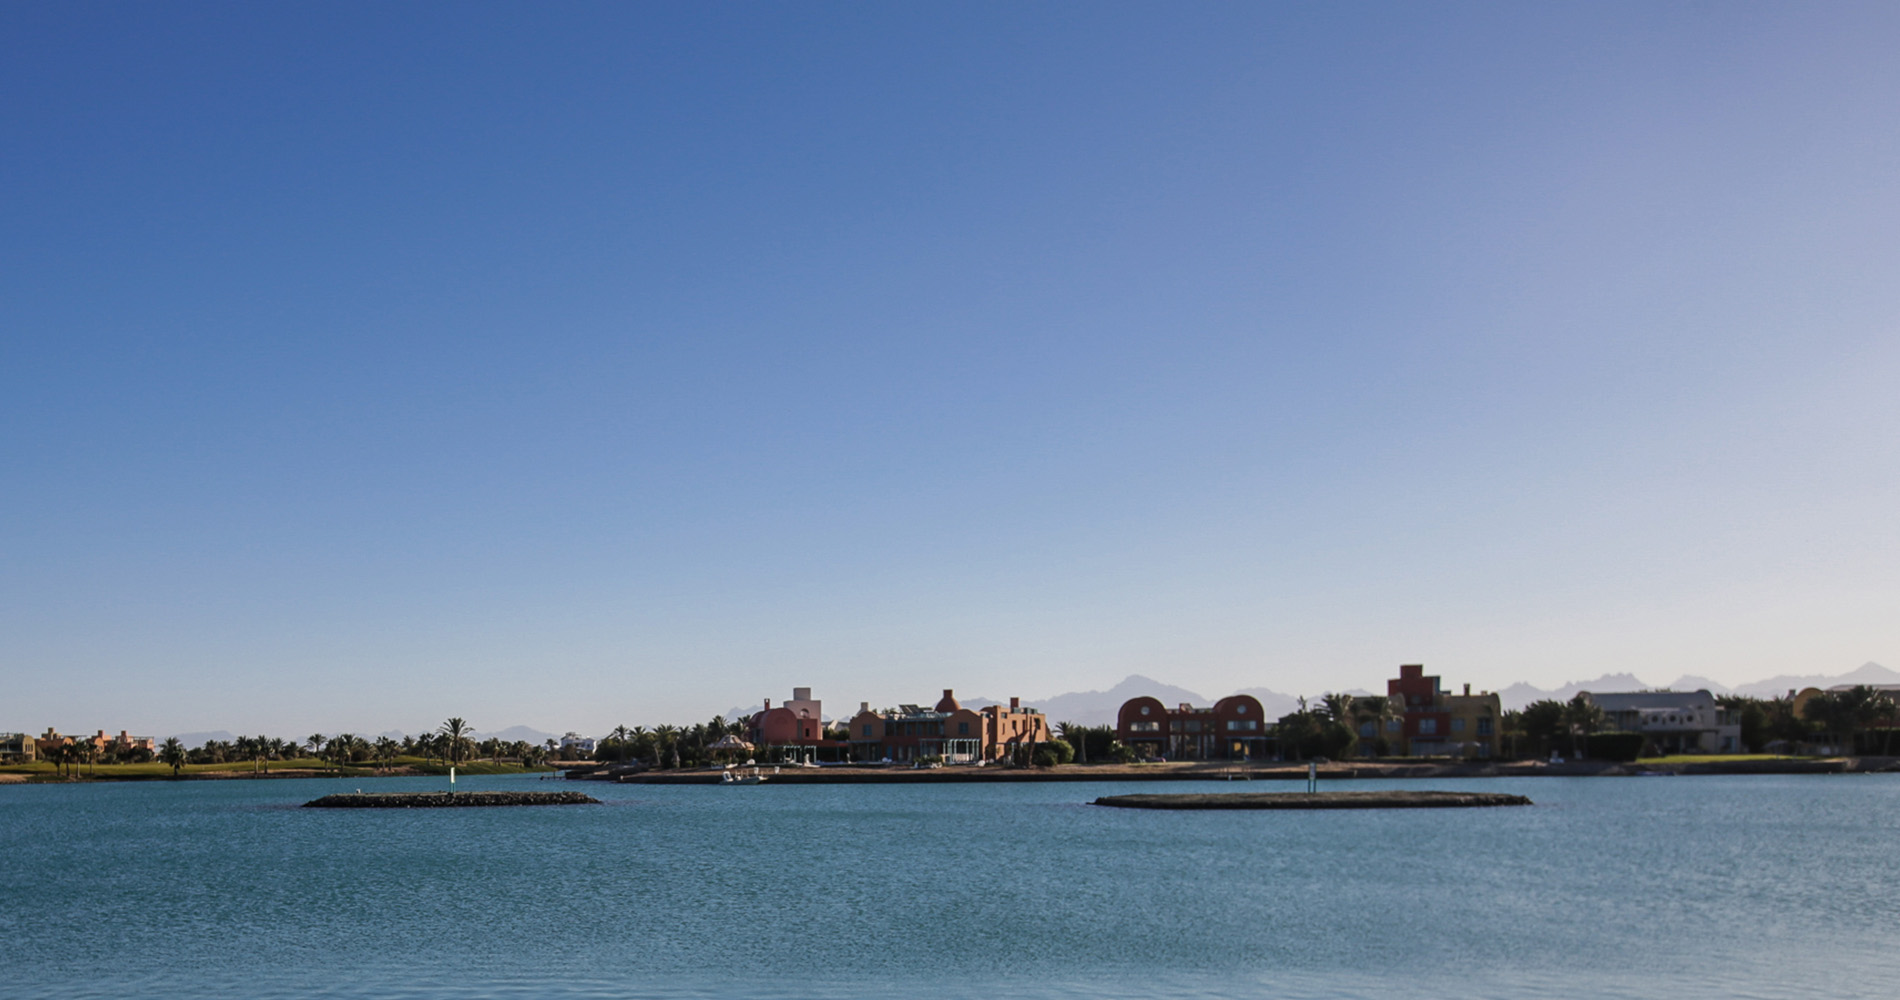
(796,729)
(948,731)
(52,741)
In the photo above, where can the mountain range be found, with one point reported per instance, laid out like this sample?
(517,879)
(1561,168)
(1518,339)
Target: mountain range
(1519,695)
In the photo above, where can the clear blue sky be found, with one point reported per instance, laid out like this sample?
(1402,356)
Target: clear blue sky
(574,365)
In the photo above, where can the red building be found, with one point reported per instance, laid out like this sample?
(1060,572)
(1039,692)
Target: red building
(1436,722)
(794,730)
(948,732)
(1234,728)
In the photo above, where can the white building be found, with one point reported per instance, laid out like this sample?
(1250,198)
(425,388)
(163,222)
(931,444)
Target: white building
(1675,721)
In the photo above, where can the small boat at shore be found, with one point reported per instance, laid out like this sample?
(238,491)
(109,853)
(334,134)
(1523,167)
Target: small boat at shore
(741,777)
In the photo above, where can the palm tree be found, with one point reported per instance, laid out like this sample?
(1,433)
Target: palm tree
(385,751)
(1384,711)
(1510,731)
(172,754)
(343,748)
(1338,706)
(456,732)
(1863,706)
(1846,713)
(1882,708)
(85,751)
(255,748)
(662,741)
(1077,737)
(1581,716)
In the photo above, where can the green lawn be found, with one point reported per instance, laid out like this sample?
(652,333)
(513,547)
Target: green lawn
(1716,758)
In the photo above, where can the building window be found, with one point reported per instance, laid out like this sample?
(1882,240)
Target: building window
(1392,725)
(1457,725)
(867,730)
(1240,725)
(1428,727)
(1144,710)
(963,729)
(1240,710)
(1144,727)
(1484,726)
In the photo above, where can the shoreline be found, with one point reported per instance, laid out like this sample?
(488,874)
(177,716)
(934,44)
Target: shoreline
(1278,801)
(1270,771)
(400,771)
(1174,771)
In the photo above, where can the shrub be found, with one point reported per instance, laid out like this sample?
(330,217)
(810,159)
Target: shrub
(1053,753)
(1617,746)
(1336,741)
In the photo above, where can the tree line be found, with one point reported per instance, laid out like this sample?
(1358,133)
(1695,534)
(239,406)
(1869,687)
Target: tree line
(450,744)
(1860,719)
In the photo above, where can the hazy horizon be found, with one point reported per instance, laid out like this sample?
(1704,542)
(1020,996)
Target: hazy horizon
(596,364)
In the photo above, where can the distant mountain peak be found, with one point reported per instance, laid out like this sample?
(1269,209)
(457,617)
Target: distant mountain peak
(1774,687)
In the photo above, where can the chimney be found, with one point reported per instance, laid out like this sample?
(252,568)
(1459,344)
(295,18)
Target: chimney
(1467,690)
(863,707)
(801,694)
(1015,704)
(768,705)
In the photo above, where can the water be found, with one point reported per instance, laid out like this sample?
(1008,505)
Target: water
(1647,887)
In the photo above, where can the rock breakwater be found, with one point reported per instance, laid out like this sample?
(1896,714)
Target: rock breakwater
(440,800)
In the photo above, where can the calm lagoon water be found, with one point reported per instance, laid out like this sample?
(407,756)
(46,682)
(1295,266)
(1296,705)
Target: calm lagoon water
(1641,887)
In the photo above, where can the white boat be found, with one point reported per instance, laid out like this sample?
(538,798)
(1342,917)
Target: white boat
(733,777)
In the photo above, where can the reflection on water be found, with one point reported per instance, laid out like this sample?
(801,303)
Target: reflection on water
(1685,887)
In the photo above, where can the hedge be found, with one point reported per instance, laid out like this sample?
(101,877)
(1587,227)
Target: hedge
(1617,746)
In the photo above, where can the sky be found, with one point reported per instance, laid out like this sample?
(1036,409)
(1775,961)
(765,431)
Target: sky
(581,365)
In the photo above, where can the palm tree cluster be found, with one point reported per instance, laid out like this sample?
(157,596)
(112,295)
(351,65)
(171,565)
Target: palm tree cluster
(450,744)
(1329,728)
(666,746)
(1094,743)
(1550,726)
(1846,715)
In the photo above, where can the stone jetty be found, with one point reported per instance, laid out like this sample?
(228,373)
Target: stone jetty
(1315,800)
(441,800)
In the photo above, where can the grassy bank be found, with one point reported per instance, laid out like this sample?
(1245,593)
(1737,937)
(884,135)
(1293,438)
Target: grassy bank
(301,767)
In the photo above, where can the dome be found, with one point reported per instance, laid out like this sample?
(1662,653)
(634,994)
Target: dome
(948,703)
